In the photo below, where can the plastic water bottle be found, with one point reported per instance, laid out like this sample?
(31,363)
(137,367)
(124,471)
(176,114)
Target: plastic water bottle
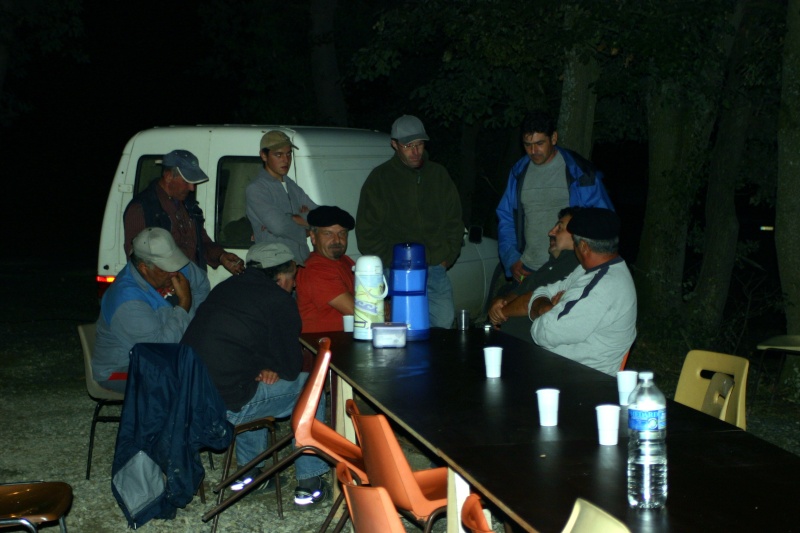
(647,446)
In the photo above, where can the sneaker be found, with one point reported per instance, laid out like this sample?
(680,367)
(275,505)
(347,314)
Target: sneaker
(265,487)
(309,498)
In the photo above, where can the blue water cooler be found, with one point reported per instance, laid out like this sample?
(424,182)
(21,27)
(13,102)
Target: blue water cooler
(408,288)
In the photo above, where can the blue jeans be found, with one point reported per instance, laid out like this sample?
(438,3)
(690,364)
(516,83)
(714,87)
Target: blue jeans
(276,400)
(441,312)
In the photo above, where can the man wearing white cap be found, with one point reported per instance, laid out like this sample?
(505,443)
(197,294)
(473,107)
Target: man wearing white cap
(412,199)
(247,333)
(169,203)
(152,299)
(277,207)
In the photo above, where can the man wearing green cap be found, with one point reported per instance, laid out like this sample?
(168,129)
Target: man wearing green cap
(276,206)
(589,317)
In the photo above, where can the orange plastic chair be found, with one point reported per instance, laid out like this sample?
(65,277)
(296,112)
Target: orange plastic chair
(311,436)
(30,504)
(472,515)
(624,360)
(420,496)
(371,508)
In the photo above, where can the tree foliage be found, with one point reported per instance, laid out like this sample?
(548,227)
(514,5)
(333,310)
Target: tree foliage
(31,30)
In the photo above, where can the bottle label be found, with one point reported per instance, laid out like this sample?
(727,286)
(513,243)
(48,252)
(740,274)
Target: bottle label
(654,420)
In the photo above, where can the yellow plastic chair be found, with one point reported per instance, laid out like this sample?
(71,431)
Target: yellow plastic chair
(420,496)
(31,504)
(693,385)
(103,396)
(586,517)
(371,508)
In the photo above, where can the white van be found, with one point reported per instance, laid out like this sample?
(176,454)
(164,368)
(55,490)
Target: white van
(330,164)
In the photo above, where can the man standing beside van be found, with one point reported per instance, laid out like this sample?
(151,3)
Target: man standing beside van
(152,300)
(412,199)
(276,206)
(326,285)
(169,203)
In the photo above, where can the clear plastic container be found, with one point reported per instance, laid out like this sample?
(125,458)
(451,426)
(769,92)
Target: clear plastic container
(647,446)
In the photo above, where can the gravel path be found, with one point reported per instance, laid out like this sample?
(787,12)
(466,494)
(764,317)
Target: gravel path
(46,413)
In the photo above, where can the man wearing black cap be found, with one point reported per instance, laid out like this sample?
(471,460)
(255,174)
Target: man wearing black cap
(169,203)
(590,317)
(326,285)
(409,198)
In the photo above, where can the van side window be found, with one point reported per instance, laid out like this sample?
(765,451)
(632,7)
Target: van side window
(234,174)
(147,171)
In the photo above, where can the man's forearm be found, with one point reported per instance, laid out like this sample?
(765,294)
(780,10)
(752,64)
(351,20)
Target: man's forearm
(540,306)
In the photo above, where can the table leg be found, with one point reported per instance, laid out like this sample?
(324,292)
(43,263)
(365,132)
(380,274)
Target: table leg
(457,492)
(343,425)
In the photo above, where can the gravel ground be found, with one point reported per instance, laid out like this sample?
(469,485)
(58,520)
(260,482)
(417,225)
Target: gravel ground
(46,413)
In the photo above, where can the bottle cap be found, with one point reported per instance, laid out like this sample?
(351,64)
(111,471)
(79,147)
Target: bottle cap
(645,375)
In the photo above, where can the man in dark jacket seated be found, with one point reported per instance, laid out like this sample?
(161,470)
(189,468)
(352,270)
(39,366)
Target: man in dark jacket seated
(247,333)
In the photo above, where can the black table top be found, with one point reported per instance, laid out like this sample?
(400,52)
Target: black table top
(720,478)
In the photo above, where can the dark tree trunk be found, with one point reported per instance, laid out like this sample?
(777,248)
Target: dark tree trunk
(578,102)
(324,66)
(722,226)
(787,208)
(467,171)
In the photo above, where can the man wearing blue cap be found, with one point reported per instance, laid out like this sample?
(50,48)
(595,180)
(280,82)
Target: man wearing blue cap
(409,198)
(169,203)
(589,317)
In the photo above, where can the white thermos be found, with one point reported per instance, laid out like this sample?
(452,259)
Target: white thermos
(371,289)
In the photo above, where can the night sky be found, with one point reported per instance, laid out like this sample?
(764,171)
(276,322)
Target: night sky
(59,159)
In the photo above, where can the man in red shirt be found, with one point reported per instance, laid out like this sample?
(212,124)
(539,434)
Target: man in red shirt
(326,284)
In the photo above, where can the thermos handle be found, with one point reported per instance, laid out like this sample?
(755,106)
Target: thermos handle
(385,288)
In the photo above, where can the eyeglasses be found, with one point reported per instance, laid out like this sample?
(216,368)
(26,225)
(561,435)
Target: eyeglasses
(412,146)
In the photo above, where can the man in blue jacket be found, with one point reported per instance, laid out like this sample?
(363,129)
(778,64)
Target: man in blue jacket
(535,194)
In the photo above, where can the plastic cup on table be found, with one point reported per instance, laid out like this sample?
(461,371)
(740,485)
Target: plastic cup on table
(463,320)
(608,424)
(348,321)
(548,406)
(626,382)
(493,358)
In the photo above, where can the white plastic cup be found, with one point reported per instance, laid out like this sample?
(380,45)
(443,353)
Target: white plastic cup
(493,357)
(548,406)
(626,382)
(348,321)
(608,424)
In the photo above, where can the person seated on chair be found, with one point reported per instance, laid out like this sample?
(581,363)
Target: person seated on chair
(589,317)
(247,333)
(153,299)
(326,284)
(509,312)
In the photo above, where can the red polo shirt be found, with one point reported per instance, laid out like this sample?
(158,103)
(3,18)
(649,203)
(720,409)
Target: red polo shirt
(318,282)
